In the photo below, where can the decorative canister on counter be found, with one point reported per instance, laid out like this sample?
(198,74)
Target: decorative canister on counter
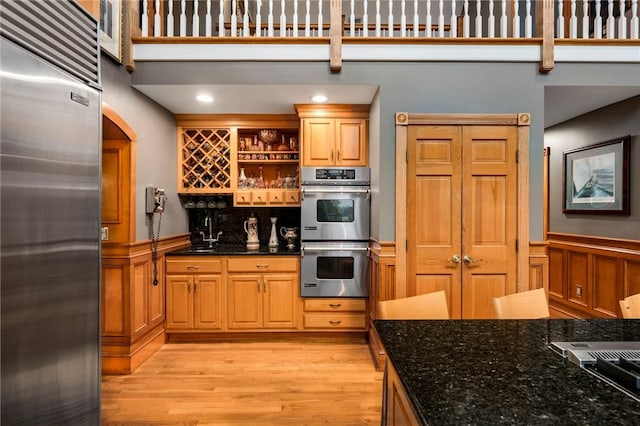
(251,228)
(273,239)
(291,235)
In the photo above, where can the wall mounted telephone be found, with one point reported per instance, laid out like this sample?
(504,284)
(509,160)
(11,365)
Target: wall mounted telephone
(155,202)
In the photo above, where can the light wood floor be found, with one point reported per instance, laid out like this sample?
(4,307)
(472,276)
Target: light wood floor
(248,383)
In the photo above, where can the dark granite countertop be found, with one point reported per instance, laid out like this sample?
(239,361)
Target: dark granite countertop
(490,372)
(232,250)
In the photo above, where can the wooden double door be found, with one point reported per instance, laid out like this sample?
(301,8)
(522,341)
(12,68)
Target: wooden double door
(462,214)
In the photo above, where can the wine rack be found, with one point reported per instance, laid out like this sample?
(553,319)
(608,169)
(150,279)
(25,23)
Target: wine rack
(205,155)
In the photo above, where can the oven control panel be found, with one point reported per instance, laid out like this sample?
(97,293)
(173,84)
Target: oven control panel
(357,176)
(346,174)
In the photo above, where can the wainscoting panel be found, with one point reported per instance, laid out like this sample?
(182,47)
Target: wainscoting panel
(132,306)
(382,268)
(589,275)
(538,266)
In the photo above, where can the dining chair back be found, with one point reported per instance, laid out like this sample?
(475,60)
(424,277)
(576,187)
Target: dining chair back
(630,306)
(530,304)
(425,306)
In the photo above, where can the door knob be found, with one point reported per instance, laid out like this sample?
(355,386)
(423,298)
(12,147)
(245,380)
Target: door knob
(468,260)
(454,259)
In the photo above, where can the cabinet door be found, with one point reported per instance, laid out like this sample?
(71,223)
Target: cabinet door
(207,302)
(399,409)
(244,305)
(179,301)
(280,299)
(351,143)
(318,142)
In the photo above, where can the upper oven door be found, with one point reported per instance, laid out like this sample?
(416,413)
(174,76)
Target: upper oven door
(335,213)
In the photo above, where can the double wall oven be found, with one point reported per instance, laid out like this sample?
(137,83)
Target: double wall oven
(335,215)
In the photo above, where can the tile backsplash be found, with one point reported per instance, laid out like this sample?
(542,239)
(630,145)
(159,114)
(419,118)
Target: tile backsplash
(230,220)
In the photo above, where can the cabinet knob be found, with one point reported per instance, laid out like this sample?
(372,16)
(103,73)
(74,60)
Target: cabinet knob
(193,267)
(335,322)
(335,305)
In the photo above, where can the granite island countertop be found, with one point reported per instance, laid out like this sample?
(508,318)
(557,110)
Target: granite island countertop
(490,372)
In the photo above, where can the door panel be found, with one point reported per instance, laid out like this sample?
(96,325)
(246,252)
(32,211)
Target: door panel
(352,149)
(206,301)
(279,301)
(450,283)
(478,292)
(319,137)
(433,211)
(244,305)
(462,201)
(179,301)
(489,217)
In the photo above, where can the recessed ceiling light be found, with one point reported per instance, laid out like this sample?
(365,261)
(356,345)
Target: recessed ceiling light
(319,98)
(205,99)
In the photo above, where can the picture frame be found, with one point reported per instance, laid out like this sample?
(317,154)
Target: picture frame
(596,178)
(111,28)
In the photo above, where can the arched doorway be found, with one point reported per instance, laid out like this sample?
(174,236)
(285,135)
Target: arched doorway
(118,179)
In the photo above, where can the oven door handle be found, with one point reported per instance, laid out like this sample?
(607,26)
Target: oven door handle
(304,248)
(366,191)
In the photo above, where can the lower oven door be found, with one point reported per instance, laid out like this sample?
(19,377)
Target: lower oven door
(334,269)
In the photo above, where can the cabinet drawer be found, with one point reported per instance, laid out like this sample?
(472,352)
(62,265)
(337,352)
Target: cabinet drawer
(259,197)
(193,265)
(243,198)
(335,305)
(292,197)
(335,320)
(262,264)
(276,197)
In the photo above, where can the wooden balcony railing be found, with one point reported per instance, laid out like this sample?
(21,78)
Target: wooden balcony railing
(386,21)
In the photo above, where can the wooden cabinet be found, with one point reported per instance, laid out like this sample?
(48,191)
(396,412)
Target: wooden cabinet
(268,167)
(263,293)
(194,293)
(335,314)
(397,410)
(214,151)
(334,135)
(204,159)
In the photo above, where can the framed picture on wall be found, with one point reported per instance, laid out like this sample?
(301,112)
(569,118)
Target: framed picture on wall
(111,28)
(596,178)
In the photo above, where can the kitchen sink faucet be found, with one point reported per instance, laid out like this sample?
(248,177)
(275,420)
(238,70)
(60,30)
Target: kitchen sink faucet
(210,240)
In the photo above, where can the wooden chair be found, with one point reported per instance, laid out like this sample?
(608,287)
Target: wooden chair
(425,306)
(531,304)
(630,306)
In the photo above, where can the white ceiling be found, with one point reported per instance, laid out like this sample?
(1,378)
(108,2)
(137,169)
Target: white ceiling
(560,102)
(564,102)
(252,99)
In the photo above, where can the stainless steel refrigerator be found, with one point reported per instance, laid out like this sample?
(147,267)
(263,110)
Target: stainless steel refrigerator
(49,236)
